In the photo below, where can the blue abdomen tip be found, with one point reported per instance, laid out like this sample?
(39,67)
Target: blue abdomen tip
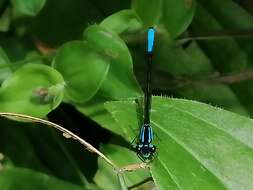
(151,39)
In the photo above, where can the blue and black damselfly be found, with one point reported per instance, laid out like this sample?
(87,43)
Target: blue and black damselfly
(144,148)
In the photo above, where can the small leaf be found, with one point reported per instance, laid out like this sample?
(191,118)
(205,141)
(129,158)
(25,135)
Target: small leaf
(120,75)
(201,147)
(125,20)
(83,70)
(23,179)
(177,15)
(33,90)
(149,12)
(29,7)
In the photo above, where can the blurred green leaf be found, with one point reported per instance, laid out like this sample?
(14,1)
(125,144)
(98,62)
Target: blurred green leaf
(193,62)
(232,16)
(215,94)
(83,70)
(190,61)
(149,12)
(16,147)
(29,7)
(201,147)
(229,13)
(125,20)
(33,89)
(57,151)
(120,76)
(23,179)
(5,20)
(232,58)
(5,70)
(60,22)
(177,15)
(95,110)
(122,157)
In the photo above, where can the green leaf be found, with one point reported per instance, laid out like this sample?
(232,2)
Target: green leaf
(13,137)
(122,157)
(149,12)
(201,147)
(23,179)
(33,90)
(5,70)
(29,7)
(5,20)
(232,16)
(120,76)
(83,70)
(95,110)
(177,15)
(63,21)
(125,20)
(190,61)
(229,13)
(231,58)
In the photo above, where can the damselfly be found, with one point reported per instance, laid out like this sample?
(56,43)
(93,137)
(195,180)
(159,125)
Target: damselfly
(144,148)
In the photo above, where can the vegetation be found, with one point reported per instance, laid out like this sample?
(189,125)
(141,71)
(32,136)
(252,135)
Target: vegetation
(81,64)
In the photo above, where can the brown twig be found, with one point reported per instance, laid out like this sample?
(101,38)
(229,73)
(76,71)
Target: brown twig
(230,79)
(214,35)
(163,81)
(66,133)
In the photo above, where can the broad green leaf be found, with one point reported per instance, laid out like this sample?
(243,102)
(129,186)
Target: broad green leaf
(125,20)
(83,70)
(29,7)
(149,12)
(177,15)
(33,90)
(24,179)
(201,147)
(5,70)
(111,47)
(122,157)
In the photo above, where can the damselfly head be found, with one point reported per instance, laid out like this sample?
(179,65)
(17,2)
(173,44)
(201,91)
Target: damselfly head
(145,151)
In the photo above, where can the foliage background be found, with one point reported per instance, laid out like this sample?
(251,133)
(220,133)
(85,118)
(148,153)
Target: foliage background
(81,64)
